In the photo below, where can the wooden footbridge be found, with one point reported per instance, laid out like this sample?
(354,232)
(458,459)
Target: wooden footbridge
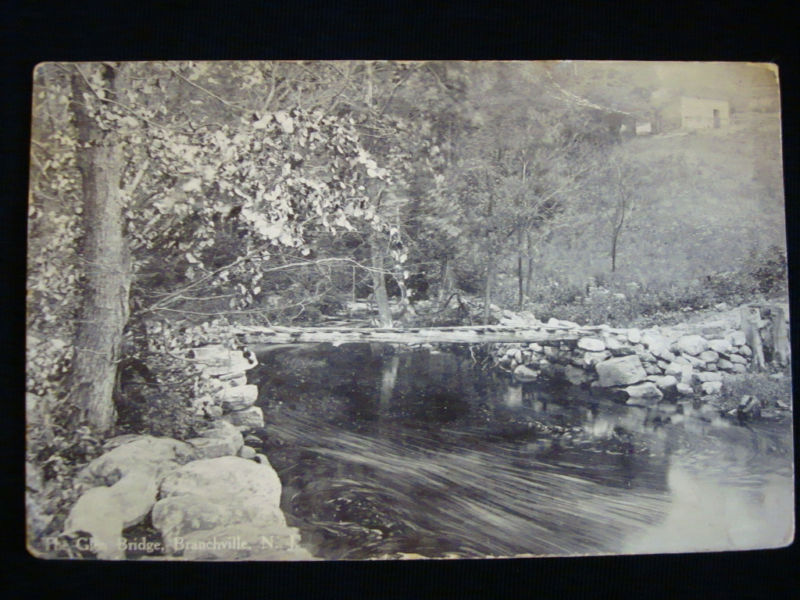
(465,334)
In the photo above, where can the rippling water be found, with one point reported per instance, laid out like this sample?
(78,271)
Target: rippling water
(418,453)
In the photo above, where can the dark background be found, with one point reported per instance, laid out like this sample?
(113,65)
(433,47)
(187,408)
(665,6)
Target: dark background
(36,31)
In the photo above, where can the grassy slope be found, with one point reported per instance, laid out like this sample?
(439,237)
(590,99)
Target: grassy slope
(709,199)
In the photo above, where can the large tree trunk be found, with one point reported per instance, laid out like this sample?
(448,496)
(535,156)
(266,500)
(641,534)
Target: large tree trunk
(104,309)
(379,284)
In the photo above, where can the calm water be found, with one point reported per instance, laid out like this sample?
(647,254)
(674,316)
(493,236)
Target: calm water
(417,452)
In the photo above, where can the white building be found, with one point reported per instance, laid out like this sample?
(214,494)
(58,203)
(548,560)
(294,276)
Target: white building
(704,113)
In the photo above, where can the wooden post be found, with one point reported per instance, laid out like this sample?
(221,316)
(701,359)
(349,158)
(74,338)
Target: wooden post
(751,325)
(781,349)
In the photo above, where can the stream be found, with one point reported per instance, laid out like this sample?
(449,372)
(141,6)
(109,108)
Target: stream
(384,453)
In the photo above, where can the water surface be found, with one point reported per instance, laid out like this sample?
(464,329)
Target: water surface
(384,452)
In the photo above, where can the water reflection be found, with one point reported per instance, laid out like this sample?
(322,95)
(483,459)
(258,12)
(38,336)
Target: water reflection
(384,452)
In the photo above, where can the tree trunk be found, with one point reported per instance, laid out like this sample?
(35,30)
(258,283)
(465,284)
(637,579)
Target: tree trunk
(614,252)
(487,292)
(529,274)
(104,310)
(751,325)
(445,281)
(487,286)
(520,273)
(379,284)
(780,336)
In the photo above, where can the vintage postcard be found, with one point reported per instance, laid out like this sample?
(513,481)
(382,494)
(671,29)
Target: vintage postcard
(371,310)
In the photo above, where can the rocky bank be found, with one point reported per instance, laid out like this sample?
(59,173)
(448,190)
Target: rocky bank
(210,497)
(643,364)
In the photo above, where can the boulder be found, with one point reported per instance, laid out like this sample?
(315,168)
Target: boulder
(621,350)
(720,346)
(735,358)
(666,355)
(683,372)
(736,338)
(592,358)
(655,342)
(178,516)
(591,344)
(644,393)
(238,398)
(144,453)
(652,369)
(247,452)
(247,418)
(575,375)
(744,350)
(704,376)
(749,408)
(708,356)
(664,382)
(221,439)
(684,389)
(694,361)
(227,480)
(535,347)
(711,387)
(217,360)
(97,514)
(611,341)
(234,379)
(737,368)
(120,440)
(212,493)
(691,344)
(646,357)
(622,370)
(725,364)
(525,374)
(634,336)
(104,512)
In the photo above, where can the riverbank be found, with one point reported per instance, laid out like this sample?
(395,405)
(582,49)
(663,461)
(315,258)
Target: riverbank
(698,358)
(209,497)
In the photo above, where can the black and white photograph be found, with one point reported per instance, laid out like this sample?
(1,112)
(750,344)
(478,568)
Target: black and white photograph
(393,310)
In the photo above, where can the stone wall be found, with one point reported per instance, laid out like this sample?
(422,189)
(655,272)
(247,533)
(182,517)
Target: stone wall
(644,363)
(211,497)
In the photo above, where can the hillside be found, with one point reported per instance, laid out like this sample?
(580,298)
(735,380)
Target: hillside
(707,200)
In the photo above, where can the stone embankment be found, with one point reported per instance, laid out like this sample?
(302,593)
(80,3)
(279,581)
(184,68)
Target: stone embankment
(645,364)
(211,497)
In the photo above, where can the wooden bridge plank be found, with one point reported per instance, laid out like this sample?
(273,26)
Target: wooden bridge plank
(418,335)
